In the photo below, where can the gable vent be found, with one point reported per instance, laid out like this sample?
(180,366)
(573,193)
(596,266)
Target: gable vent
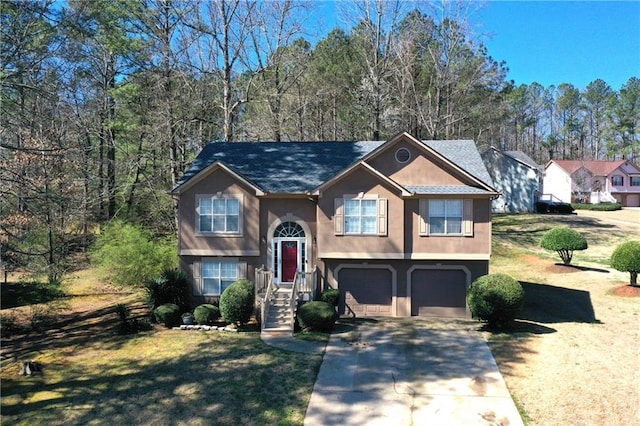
(403,155)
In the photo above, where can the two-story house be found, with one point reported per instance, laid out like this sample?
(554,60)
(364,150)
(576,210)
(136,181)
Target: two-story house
(593,181)
(402,227)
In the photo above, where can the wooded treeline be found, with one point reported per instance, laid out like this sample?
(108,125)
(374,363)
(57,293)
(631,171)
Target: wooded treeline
(105,103)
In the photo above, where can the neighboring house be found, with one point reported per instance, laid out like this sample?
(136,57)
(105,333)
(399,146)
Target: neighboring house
(593,181)
(517,177)
(401,227)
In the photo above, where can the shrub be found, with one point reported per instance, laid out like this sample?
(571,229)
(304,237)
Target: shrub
(128,325)
(603,207)
(564,241)
(170,287)
(127,255)
(317,315)
(237,302)
(331,295)
(496,299)
(626,258)
(167,314)
(206,314)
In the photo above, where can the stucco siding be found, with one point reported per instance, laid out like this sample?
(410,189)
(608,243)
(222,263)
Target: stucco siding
(193,242)
(360,181)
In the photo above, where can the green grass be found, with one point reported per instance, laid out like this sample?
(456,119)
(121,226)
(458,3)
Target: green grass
(164,377)
(93,375)
(313,336)
(514,235)
(22,293)
(603,207)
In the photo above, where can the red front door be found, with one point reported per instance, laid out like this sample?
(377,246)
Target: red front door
(289,260)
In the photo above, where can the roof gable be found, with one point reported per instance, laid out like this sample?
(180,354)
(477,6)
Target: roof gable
(361,165)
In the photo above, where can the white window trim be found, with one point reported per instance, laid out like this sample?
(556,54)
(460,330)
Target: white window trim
(220,195)
(198,287)
(381,215)
(467,218)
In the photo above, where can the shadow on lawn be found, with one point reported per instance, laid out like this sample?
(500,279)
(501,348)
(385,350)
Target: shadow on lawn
(209,379)
(549,304)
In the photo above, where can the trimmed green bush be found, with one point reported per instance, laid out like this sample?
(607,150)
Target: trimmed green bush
(331,295)
(167,314)
(127,254)
(564,241)
(626,258)
(603,207)
(496,299)
(317,315)
(237,302)
(170,287)
(206,314)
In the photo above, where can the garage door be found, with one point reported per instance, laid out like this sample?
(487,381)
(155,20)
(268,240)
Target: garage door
(633,200)
(365,292)
(439,293)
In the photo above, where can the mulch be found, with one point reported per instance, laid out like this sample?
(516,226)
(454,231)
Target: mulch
(627,291)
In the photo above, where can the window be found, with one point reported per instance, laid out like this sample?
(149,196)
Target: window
(217,275)
(219,215)
(446,217)
(635,180)
(360,216)
(617,180)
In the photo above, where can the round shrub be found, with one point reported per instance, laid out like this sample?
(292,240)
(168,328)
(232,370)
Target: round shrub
(206,313)
(167,314)
(564,241)
(317,315)
(331,295)
(237,302)
(496,299)
(626,258)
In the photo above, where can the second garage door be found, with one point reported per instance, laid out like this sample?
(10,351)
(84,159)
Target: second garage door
(365,292)
(439,293)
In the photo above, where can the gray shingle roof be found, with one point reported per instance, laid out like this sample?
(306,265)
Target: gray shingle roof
(300,167)
(524,158)
(446,189)
(465,154)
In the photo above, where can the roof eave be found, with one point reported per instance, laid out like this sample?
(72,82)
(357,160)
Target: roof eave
(202,174)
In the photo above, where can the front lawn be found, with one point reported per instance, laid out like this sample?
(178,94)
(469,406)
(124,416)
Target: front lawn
(571,357)
(92,375)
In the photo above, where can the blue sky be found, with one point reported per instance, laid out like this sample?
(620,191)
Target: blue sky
(553,42)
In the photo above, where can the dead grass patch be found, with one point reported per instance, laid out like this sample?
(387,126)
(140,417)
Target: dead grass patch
(566,361)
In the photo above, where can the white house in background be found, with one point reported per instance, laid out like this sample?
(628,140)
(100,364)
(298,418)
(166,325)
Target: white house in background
(516,176)
(593,181)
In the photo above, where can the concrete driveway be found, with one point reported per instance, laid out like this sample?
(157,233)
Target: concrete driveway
(410,372)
